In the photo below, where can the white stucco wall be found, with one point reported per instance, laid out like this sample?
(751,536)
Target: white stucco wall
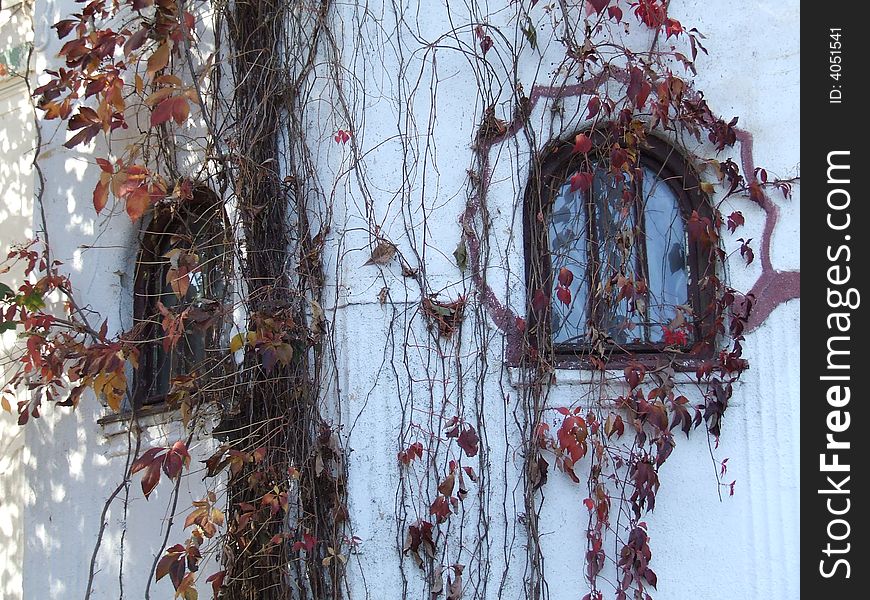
(387,372)
(17,143)
(743,546)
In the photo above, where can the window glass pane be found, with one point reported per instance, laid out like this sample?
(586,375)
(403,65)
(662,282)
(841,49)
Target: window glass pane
(199,235)
(614,232)
(568,248)
(665,251)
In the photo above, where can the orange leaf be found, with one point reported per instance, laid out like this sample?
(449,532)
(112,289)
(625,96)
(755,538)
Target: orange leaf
(169,79)
(156,97)
(101,193)
(159,59)
(137,202)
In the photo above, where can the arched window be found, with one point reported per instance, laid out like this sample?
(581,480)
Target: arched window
(182,282)
(611,270)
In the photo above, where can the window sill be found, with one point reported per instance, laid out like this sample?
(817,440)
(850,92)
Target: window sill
(148,416)
(576,371)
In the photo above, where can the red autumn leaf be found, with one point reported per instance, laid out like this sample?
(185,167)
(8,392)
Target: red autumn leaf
(179,449)
(582,144)
(83,137)
(172,463)
(618,427)
(101,195)
(699,229)
(179,457)
(180,109)
(259,454)
(86,117)
(651,13)
(745,250)
(735,220)
(138,201)
(216,580)
(162,112)
(468,441)
(673,27)
(618,158)
(105,166)
(440,509)
(615,13)
(599,5)
(589,504)
(572,439)
(674,337)
(189,21)
(581,181)
(593,107)
(485,44)
(64,27)
(540,301)
(638,87)
(135,41)
(151,478)
(167,562)
(566,276)
(642,94)
(756,194)
(564,295)
(307,543)
(413,451)
(341,136)
(634,375)
(145,460)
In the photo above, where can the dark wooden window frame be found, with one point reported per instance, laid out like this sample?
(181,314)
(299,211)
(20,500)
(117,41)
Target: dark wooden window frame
(558,162)
(166,221)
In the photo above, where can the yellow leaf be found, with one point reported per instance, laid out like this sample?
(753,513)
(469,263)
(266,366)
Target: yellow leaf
(111,386)
(185,414)
(140,85)
(159,59)
(5,404)
(285,353)
(236,343)
(217,516)
(707,188)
